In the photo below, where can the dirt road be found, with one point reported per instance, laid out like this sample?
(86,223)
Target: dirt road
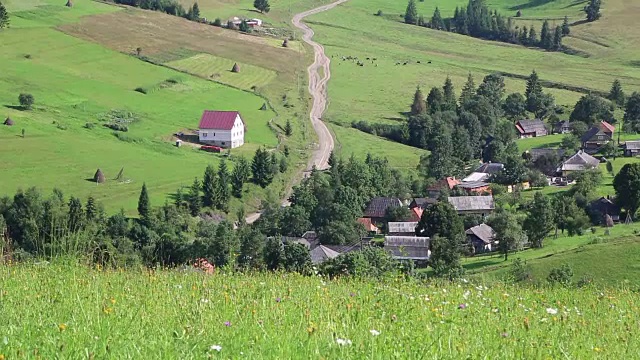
(318,91)
(318,88)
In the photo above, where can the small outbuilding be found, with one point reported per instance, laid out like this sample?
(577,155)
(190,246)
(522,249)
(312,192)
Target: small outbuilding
(631,148)
(481,238)
(531,128)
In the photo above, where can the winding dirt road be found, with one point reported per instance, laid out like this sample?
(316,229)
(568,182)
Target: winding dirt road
(318,91)
(318,88)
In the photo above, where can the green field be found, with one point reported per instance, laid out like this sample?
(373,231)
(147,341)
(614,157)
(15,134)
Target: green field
(219,69)
(74,82)
(69,310)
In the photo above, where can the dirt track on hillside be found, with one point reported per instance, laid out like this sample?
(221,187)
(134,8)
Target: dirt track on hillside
(318,88)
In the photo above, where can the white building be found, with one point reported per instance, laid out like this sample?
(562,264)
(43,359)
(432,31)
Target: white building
(222,128)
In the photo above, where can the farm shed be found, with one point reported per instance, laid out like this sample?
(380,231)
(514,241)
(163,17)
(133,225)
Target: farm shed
(480,205)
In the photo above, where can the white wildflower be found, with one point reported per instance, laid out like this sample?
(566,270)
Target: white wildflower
(374,332)
(552,311)
(204,301)
(466,294)
(215,347)
(343,342)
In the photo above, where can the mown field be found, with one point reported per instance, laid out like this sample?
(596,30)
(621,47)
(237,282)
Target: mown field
(381,90)
(76,81)
(62,311)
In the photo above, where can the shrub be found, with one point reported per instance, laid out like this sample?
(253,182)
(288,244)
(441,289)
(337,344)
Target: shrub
(117,127)
(584,281)
(598,240)
(217,22)
(141,90)
(89,126)
(172,81)
(379,13)
(561,275)
(26,100)
(61,126)
(28,56)
(519,271)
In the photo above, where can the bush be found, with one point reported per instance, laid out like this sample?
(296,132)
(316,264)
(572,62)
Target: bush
(172,81)
(117,127)
(26,100)
(89,126)
(28,56)
(561,275)
(141,90)
(379,13)
(598,240)
(217,22)
(584,281)
(519,271)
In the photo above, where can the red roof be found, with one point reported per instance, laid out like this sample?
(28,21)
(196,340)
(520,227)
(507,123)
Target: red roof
(606,127)
(367,224)
(218,120)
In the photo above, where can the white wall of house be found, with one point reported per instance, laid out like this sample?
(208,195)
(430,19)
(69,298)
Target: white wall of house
(225,138)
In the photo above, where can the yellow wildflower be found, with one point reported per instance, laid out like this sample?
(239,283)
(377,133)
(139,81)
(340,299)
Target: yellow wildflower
(62,327)
(113,301)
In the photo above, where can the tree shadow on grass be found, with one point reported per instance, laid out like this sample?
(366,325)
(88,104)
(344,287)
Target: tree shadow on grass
(530,4)
(15,107)
(253,10)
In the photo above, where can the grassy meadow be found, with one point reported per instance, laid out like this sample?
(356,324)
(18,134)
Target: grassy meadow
(75,82)
(62,311)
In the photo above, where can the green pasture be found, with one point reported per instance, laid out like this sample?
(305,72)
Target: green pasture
(219,69)
(45,13)
(73,82)
(66,310)
(352,141)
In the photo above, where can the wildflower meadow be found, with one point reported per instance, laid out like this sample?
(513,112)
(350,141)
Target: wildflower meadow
(70,311)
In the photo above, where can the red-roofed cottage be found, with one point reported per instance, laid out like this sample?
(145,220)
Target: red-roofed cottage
(222,128)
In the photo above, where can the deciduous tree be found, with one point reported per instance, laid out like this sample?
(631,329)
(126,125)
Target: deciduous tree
(514,106)
(627,186)
(509,233)
(540,219)
(591,109)
(262,5)
(441,223)
(632,113)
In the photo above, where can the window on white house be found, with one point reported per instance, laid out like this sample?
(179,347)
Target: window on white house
(204,134)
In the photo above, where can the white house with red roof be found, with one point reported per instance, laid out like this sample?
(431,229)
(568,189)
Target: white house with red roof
(222,128)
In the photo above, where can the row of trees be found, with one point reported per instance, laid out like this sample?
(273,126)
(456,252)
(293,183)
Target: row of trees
(477,20)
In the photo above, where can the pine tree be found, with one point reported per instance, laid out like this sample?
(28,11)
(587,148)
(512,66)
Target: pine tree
(532,40)
(436,20)
(557,38)
(244,27)
(546,39)
(533,93)
(193,198)
(435,100)
(4,17)
(616,95)
(285,151)
(261,168)
(593,10)
(210,197)
(144,206)
(449,93)
(419,106)
(566,28)
(468,91)
(262,5)
(524,36)
(76,214)
(332,159)
(223,186)
(411,14)
(283,164)
(239,176)
(195,11)
(287,128)
(91,210)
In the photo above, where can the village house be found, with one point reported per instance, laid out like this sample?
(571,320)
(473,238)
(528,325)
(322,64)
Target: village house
(222,128)
(473,205)
(481,238)
(368,225)
(476,176)
(597,137)
(631,148)
(403,228)
(377,209)
(475,187)
(489,168)
(446,184)
(321,253)
(413,248)
(602,207)
(531,128)
(251,22)
(422,203)
(581,161)
(562,127)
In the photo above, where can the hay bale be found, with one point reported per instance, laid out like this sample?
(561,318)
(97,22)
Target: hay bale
(263,107)
(235,68)
(9,122)
(99,177)
(608,221)
(69,4)
(285,43)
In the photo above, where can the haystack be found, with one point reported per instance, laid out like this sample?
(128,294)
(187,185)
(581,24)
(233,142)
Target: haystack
(608,221)
(69,4)
(263,107)
(9,122)
(99,177)
(285,43)
(235,68)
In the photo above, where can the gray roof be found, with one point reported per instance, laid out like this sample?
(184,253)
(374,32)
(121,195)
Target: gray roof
(322,253)
(423,203)
(538,153)
(490,168)
(407,247)
(472,184)
(483,232)
(532,126)
(378,206)
(402,227)
(476,176)
(578,162)
(632,145)
(593,132)
(472,203)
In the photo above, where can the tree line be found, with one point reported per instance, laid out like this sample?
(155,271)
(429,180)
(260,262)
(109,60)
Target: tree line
(477,20)
(4,17)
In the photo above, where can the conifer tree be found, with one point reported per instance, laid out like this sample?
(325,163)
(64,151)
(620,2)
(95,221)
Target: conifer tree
(593,10)
(76,215)
(449,93)
(524,36)
(144,206)
(411,14)
(533,93)
(262,5)
(436,20)
(4,17)
(288,130)
(193,198)
(91,210)
(419,106)
(546,39)
(210,197)
(468,91)
(223,186)
(616,95)
(435,100)
(557,38)
(533,37)
(566,28)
